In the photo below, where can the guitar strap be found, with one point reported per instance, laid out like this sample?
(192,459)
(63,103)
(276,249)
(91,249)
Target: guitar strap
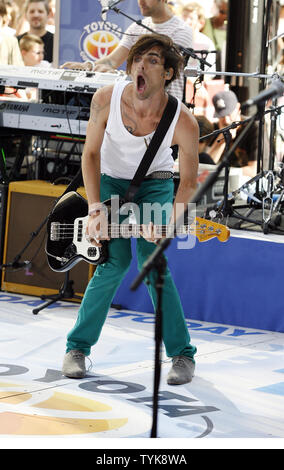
(152,149)
(148,157)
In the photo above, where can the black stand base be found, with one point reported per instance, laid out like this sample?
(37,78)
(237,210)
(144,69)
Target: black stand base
(65,292)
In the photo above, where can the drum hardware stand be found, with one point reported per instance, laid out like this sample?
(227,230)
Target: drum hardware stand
(224,207)
(265,199)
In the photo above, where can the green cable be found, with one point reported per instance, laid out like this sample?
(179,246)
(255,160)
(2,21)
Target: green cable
(3,155)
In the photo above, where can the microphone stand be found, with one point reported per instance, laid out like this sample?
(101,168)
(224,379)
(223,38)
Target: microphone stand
(154,260)
(186,52)
(66,291)
(224,207)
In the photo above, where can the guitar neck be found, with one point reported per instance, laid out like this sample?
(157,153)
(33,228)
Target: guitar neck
(135,230)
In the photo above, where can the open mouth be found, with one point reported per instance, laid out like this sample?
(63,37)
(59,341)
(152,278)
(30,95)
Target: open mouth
(141,83)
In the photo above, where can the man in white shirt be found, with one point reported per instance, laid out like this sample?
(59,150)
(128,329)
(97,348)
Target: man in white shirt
(122,117)
(159,18)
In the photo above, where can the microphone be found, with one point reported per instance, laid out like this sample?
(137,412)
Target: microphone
(110,5)
(17,265)
(191,71)
(275,90)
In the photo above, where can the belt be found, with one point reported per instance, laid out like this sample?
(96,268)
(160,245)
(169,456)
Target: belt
(160,175)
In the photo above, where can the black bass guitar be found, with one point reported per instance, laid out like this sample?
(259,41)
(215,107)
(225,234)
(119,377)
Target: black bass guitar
(66,243)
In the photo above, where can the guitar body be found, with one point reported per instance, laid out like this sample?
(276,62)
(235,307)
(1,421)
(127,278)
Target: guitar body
(66,244)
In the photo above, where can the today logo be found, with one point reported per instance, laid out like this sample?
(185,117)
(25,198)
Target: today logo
(98,40)
(46,412)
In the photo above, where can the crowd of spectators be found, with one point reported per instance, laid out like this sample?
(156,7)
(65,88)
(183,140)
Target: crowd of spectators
(27,31)
(32,18)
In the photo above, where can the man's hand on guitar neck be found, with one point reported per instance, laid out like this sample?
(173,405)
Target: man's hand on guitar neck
(151,233)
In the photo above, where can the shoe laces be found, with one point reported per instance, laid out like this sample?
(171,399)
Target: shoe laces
(179,361)
(90,364)
(76,354)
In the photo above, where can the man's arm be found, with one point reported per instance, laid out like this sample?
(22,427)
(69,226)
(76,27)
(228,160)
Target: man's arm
(91,164)
(106,64)
(94,138)
(186,136)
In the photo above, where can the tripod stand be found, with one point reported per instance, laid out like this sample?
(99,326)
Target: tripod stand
(267,191)
(66,292)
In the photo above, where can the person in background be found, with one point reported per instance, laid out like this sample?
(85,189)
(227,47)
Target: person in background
(159,18)
(228,110)
(197,95)
(194,15)
(10,53)
(206,127)
(32,50)
(216,29)
(51,16)
(36,13)
(8,20)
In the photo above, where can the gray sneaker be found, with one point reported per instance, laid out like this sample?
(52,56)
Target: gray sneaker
(181,371)
(74,364)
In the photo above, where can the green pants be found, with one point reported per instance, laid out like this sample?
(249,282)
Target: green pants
(108,277)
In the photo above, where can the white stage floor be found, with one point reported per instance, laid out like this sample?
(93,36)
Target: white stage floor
(237,392)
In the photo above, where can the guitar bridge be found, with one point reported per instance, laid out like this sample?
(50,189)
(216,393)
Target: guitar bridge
(54,231)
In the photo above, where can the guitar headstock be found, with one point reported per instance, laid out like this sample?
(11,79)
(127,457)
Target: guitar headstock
(206,229)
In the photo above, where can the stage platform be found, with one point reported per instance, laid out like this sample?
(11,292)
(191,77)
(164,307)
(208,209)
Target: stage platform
(236,396)
(238,282)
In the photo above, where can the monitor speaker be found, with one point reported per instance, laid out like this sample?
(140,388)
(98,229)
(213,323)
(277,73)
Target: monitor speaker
(28,205)
(244,45)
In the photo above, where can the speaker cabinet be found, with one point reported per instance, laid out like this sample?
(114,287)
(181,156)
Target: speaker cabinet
(29,204)
(244,45)
(3,208)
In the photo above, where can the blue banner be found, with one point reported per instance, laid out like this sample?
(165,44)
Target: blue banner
(87,34)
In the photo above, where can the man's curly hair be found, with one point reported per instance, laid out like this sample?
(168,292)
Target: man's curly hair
(172,57)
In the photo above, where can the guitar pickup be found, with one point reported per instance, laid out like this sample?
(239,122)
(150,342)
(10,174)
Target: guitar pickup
(92,252)
(80,231)
(55,231)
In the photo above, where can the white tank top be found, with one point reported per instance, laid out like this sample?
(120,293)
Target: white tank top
(122,152)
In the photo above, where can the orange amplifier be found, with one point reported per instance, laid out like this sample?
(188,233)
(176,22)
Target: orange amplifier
(28,205)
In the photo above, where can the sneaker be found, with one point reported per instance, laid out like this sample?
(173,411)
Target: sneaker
(74,364)
(182,371)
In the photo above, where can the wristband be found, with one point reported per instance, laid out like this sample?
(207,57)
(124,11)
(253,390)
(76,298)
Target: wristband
(96,207)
